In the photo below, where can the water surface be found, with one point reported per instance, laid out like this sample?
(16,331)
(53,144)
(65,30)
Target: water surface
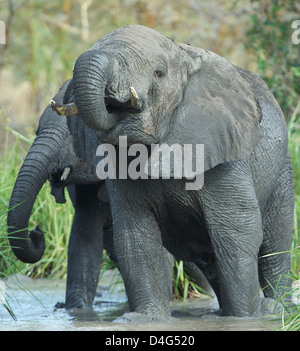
(33,301)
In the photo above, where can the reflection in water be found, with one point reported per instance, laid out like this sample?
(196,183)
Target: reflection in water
(33,301)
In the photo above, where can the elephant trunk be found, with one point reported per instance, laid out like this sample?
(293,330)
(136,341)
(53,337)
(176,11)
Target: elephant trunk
(90,80)
(98,92)
(36,169)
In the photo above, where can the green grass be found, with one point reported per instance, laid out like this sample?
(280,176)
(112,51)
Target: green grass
(291,319)
(184,286)
(294,147)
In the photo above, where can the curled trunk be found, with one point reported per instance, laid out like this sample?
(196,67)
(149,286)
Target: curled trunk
(36,169)
(90,80)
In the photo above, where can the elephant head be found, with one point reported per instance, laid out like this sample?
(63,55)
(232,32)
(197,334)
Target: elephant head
(138,83)
(55,155)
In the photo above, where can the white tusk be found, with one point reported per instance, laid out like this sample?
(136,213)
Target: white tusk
(133,93)
(135,101)
(65,174)
(64,109)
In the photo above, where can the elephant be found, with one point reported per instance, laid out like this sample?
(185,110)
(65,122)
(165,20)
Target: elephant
(137,83)
(63,153)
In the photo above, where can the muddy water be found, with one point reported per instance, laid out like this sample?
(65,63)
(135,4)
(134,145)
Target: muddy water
(33,301)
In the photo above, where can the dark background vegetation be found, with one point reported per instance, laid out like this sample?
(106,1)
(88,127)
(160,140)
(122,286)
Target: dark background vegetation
(44,38)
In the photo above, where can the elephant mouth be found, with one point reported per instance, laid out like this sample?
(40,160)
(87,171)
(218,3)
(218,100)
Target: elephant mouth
(58,181)
(61,177)
(119,110)
(113,107)
(126,113)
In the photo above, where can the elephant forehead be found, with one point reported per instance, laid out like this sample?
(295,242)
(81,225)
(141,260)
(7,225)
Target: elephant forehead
(136,36)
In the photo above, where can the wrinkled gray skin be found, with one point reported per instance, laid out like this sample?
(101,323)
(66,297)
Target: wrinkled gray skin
(245,208)
(59,145)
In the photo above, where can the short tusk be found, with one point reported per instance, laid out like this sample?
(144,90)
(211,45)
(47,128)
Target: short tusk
(135,101)
(65,174)
(64,109)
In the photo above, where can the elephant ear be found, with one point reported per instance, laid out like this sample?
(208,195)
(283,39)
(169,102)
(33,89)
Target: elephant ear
(218,109)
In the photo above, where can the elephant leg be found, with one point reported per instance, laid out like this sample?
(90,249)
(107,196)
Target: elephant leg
(144,267)
(85,249)
(278,228)
(234,223)
(237,269)
(142,259)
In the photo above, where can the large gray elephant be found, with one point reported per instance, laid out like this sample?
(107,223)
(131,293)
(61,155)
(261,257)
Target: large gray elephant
(137,83)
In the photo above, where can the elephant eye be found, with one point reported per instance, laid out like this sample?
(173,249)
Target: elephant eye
(159,73)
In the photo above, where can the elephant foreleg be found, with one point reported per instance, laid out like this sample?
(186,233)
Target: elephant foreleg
(143,262)
(85,250)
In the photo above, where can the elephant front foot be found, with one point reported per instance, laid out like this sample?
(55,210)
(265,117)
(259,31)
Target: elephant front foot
(71,307)
(74,303)
(141,318)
